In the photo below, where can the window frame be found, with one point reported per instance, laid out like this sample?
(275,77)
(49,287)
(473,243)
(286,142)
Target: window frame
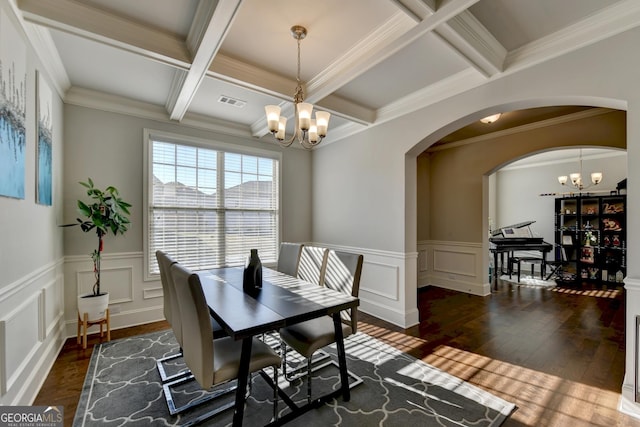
(149,135)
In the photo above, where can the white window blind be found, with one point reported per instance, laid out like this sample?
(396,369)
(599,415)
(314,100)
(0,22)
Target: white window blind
(208,208)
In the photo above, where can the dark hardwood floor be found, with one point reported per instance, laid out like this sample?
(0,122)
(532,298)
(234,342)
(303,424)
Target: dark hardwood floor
(558,354)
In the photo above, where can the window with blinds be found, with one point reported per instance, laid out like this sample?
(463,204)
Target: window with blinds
(207,208)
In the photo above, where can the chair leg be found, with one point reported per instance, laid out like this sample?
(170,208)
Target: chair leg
(309,380)
(173,409)
(275,393)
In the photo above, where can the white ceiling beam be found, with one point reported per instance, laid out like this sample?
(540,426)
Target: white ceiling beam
(475,43)
(385,43)
(99,25)
(463,33)
(205,37)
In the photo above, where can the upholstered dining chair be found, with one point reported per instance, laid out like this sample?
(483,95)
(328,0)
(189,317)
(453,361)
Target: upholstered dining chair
(343,273)
(213,361)
(289,258)
(313,263)
(172,315)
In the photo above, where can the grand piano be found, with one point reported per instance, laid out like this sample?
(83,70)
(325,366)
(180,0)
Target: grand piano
(512,238)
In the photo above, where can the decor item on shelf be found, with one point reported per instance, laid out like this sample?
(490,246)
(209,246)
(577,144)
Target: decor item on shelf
(590,238)
(611,224)
(587,255)
(309,132)
(491,119)
(610,208)
(576,178)
(252,278)
(106,212)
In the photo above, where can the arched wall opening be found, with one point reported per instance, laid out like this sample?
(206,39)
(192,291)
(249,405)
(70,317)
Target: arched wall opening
(527,189)
(452,190)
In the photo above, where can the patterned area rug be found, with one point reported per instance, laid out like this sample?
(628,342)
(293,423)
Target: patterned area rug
(122,387)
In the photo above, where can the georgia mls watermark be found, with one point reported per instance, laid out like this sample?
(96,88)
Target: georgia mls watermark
(31,416)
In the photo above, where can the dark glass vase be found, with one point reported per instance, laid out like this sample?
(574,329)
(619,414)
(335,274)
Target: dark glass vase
(252,279)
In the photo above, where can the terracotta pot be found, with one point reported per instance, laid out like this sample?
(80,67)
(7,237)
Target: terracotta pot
(95,306)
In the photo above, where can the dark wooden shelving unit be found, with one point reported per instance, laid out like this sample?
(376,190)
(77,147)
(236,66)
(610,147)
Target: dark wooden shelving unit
(590,237)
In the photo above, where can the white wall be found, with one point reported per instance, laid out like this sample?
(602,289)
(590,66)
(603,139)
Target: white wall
(31,258)
(603,74)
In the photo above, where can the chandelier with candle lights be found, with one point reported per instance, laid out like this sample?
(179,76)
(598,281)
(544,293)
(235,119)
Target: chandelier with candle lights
(576,178)
(309,132)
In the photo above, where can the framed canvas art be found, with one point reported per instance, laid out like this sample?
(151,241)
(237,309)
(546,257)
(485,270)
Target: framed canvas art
(44,127)
(13,105)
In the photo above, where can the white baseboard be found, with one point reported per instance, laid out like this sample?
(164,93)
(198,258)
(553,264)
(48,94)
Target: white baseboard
(627,405)
(388,315)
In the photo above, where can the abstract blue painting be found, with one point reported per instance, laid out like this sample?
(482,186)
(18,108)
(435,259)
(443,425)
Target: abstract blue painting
(45,142)
(13,105)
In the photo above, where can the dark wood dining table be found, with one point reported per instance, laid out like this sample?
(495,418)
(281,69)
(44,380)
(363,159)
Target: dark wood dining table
(283,300)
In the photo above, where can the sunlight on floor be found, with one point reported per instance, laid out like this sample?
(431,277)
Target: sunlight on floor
(402,342)
(546,398)
(598,293)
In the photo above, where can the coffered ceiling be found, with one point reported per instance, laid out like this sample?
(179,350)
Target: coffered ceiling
(365,61)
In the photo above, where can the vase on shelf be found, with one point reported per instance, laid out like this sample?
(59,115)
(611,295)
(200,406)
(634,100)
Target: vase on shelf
(252,278)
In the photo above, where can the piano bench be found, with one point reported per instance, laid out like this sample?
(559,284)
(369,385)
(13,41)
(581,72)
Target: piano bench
(530,260)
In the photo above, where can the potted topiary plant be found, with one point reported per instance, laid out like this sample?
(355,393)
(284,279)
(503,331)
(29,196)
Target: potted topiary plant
(106,212)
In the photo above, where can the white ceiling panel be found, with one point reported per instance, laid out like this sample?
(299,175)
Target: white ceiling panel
(261,32)
(421,64)
(113,71)
(174,16)
(206,102)
(518,22)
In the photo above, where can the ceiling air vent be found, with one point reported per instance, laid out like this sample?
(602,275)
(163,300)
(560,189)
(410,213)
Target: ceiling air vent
(224,99)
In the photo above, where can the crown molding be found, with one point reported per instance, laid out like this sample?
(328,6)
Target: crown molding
(524,128)
(611,152)
(117,104)
(611,21)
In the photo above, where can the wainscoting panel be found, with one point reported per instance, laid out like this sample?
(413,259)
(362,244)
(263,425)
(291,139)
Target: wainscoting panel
(454,261)
(53,298)
(21,332)
(380,279)
(30,332)
(388,290)
(118,281)
(454,265)
(132,300)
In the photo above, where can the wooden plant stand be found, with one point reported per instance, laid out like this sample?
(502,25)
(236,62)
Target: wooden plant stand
(84,324)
